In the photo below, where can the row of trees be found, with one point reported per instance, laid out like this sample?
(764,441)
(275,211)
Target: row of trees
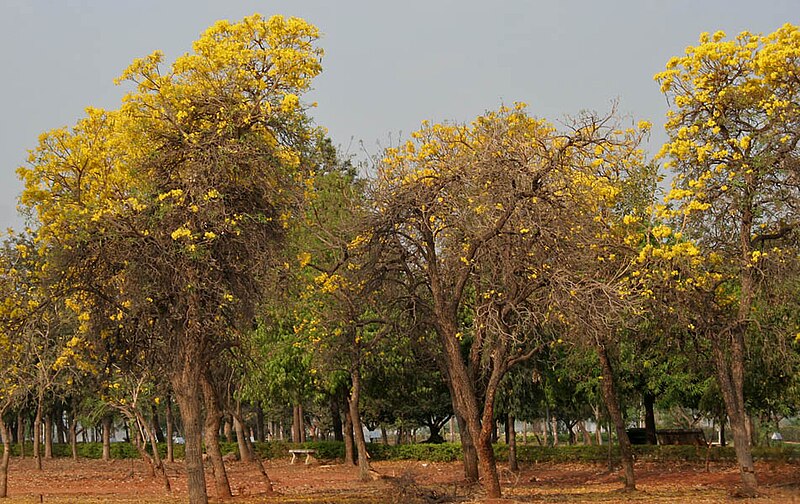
(206,242)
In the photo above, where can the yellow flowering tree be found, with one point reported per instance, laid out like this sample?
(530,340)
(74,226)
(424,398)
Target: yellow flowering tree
(493,209)
(163,216)
(734,129)
(14,364)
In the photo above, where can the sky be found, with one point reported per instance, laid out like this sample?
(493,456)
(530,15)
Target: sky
(387,66)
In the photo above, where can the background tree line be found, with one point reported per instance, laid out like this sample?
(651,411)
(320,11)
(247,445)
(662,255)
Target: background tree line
(205,245)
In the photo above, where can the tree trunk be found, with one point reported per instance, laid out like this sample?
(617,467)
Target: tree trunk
(587,440)
(336,419)
(487,427)
(649,401)
(227,429)
(256,459)
(554,426)
(358,431)
(159,464)
(185,384)
(156,423)
(241,437)
(213,419)
(170,429)
(73,431)
(349,442)
(612,403)
(37,434)
(301,419)
(107,422)
(21,433)
(722,440)
(61,432)
(139,442)
(4,433)
(512,444)
(731,385)
(48,437)
(468,448)
(546,426)
(260,435)
(296,421)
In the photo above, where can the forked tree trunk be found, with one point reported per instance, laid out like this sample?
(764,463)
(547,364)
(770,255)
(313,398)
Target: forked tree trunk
(612,403)
(358,430)
(731,378)
(139,442)
(213,419)
(466,403)
(349,442)
(469,451)
(6,456)
(185,385)
(159,464)
(488,427)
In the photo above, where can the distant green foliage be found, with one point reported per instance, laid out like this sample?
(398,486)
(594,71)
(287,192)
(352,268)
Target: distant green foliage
(451,452)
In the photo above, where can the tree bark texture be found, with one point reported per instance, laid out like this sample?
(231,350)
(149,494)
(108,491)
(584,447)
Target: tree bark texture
(37,434)
(467,403)
(107,423)
(21,433)
(349,442)
(731,380)
(187,394)
(512,444)
(5,434)
(48,437)
(213,419)
(358,430)
(241,439)
(170,429)
(612,403)
(73,432)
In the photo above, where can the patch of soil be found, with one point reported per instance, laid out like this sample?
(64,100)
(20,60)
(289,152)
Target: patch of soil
(94,481)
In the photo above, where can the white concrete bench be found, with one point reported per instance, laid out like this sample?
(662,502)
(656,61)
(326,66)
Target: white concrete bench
(308,453)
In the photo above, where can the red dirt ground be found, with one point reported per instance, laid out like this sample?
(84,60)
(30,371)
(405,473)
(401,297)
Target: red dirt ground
(93,481)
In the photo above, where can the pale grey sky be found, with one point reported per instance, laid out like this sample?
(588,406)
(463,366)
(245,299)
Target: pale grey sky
(388,65)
